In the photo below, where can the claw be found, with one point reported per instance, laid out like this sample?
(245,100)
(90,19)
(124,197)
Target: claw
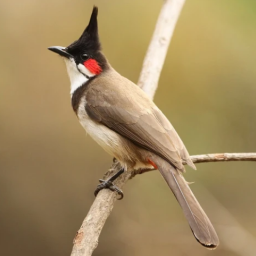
(108,185)
(118,190)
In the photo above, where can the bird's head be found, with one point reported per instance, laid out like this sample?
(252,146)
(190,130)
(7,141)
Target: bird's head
(83,57)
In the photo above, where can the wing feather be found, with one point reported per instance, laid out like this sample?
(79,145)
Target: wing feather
(137,118)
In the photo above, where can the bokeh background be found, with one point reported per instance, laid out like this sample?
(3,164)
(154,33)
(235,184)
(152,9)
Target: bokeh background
(50,168)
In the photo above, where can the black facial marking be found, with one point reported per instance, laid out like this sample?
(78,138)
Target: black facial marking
(89,42)
(85,57)
(88,45)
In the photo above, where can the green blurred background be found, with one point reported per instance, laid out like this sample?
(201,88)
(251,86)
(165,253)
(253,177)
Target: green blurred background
(49,168)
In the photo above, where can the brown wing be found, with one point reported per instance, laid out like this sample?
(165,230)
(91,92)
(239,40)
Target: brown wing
(136,117)
(175,137)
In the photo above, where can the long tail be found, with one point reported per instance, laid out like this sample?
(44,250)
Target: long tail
(199,223)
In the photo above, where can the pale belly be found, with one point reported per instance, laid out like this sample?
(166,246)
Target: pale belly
(128,154)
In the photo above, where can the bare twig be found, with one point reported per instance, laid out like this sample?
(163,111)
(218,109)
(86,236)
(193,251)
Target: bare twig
(155,56)
(224,157)
(86,240)
(87,236)
(219,157)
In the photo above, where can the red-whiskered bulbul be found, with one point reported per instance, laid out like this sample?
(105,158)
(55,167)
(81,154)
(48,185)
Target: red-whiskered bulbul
(122,119)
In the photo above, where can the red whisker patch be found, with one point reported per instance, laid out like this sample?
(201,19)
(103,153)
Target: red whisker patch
(93,66)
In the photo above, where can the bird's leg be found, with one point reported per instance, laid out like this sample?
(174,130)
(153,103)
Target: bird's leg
(108,183)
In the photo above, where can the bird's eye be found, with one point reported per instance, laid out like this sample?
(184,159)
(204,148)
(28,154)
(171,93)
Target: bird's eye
(85,57)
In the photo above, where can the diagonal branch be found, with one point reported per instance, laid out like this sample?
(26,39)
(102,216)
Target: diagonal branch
(158,47)
(86,239)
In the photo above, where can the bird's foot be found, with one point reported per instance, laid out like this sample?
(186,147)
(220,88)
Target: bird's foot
(108,185)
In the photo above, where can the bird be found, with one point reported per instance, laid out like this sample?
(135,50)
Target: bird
(128,125)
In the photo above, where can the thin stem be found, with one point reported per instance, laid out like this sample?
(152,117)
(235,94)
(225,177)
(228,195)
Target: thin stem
(218,157)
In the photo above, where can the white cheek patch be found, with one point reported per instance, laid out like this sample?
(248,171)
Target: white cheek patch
(77,79)
(85,71)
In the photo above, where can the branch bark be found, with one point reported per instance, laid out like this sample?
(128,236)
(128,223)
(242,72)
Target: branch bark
(158,47)
(86,239)
(222,157)
(218,157)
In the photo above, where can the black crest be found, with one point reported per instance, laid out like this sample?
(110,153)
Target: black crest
(88,42)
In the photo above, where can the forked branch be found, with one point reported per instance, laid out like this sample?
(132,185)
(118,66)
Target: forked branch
(86,239)
(87,236)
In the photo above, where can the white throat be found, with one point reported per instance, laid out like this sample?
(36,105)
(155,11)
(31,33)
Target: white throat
(77,77)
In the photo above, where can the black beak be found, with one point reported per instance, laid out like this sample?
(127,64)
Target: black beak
(61,51)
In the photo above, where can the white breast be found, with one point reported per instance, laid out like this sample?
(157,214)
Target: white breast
(113,143)
(78,74)
(109,140)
